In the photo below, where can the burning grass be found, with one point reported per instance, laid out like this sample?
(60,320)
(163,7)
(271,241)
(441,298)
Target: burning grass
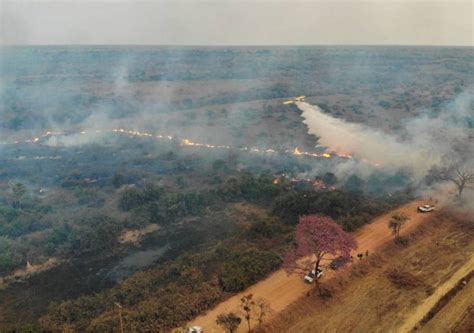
(63,137)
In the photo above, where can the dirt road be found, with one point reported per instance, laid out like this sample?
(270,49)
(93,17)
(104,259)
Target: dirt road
(280,290)
(431,301)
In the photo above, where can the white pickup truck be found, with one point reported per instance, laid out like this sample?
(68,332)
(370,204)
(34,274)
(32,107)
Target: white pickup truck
(425,209)
(309,278)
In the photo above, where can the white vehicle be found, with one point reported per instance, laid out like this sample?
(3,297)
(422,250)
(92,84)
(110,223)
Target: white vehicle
(195,329)
(309,278)
(425,209)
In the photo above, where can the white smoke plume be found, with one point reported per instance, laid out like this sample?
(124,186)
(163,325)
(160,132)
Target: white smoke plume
(97,125)
(427,139)
(365,143)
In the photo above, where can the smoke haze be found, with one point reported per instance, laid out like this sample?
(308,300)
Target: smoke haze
(426,140)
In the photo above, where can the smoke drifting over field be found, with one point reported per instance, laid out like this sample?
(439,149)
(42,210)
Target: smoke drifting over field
(359,140)
(229,100)
(427,139)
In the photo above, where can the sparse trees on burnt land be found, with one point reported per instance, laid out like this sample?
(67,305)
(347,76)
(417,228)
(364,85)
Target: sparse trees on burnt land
(456,171)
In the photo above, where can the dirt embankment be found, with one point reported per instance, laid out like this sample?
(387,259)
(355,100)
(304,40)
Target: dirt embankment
(434,303)
(454,312)
(280,290)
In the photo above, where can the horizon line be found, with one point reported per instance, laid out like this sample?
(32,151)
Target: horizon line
(243,45)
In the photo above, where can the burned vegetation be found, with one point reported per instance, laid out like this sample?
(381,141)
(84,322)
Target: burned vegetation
(165,190)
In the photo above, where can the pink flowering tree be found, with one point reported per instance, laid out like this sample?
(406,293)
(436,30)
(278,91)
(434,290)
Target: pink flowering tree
(318,238)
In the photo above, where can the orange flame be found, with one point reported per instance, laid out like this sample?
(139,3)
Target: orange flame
(187,142)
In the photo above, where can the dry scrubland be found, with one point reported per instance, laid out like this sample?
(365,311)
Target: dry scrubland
(372,297)
(217,214)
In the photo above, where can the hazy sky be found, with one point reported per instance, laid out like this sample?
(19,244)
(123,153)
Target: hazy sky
(234,22)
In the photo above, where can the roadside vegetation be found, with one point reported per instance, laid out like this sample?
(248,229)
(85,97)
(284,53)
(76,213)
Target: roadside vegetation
(198,274)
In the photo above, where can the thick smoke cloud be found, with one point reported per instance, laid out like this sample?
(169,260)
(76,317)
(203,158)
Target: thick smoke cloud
(358,140)
(424,142)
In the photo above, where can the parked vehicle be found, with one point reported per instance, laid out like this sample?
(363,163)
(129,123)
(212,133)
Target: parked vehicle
(309,278)
(425,209)
(338,262)
(195,329)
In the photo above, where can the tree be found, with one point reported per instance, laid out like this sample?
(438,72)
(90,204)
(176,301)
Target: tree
(119,307)
(396,223)
(247,304)
(247,267)
(263,308)
(354,184)
(219,165)
(119,179)
(229,321)
(317,239)
(18,191)
(330,178)
(131,198)
(456,171)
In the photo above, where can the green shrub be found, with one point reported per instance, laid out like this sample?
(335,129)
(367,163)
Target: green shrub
(264,229)
(246,268)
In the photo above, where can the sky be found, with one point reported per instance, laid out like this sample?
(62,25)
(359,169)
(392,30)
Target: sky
(237,22)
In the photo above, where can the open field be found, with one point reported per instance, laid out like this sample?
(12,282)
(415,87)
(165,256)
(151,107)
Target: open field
(365,299)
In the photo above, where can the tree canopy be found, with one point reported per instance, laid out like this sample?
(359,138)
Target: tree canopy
(317,238)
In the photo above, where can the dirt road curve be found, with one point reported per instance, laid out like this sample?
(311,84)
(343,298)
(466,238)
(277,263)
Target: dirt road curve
(280,290)
(431,301)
